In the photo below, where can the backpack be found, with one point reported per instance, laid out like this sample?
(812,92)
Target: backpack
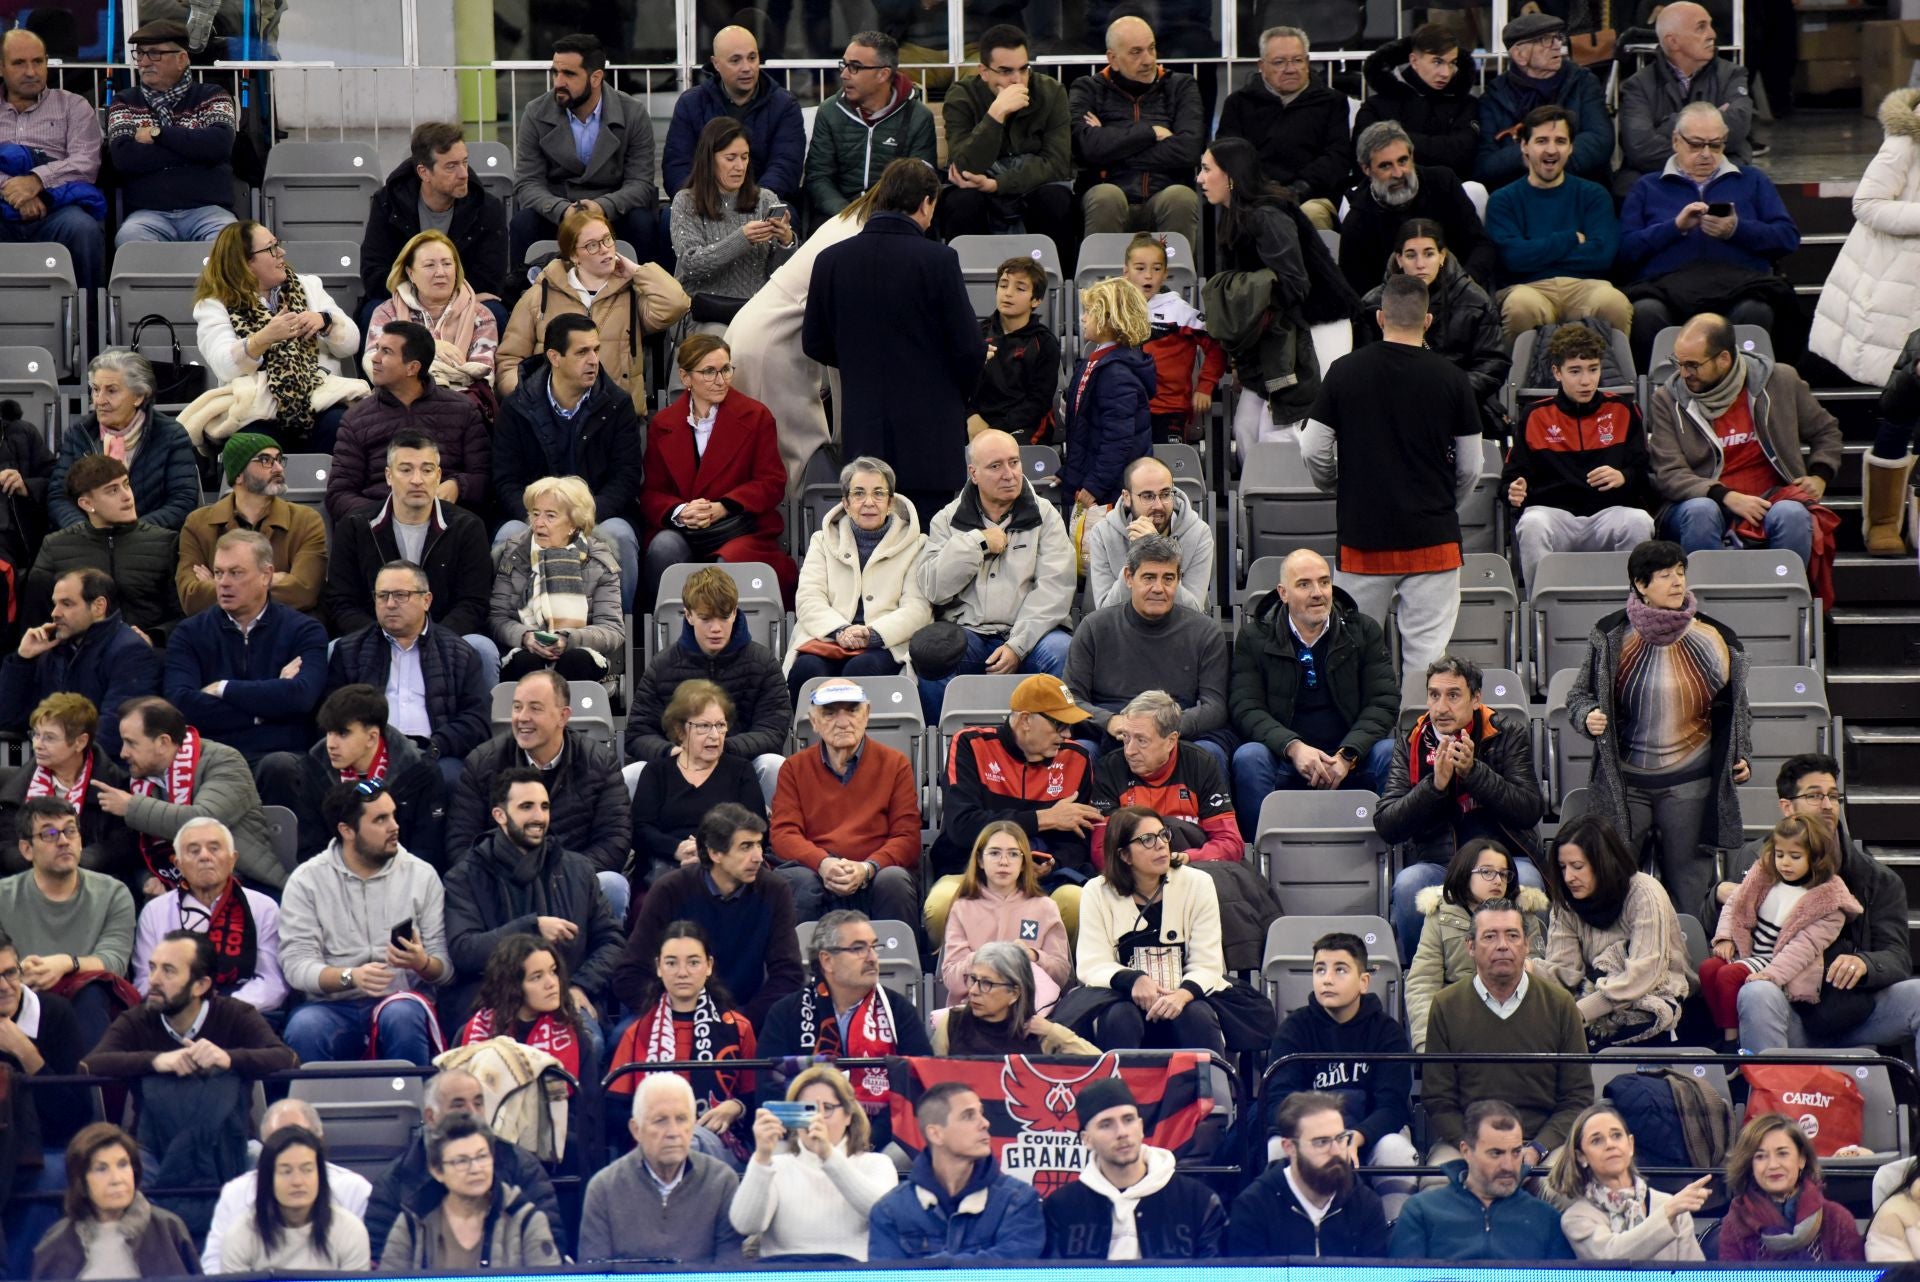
(1825,1102)
(1540,367)
(1676,1119)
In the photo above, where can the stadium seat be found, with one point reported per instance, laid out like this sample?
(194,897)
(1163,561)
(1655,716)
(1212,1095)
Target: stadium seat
(1790,716)
(814,497)
(1501,689)
(43,305)
(980,259)
(1574,804)
(1320,853)
(319,190)
(1762,594)
(1483,516)
(1287,965)
(1487,630)
(1712,1073)
(1699,941)
(1516,394)
(1572,592)
(1284,509)
(971,699)
(337,264)
(28,377)
(1569,753)
(1759,809)
(1104,254)
(284,827)
(900,967)
(1262,577)
(155,279)
(592,712)
(893,717)
(1751,338)
(1884,1123)
(491,165)
(307,478)
(1041,463)
(759,601)
(370,1120)
(1189,474)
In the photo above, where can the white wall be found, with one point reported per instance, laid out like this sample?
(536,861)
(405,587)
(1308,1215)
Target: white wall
(364,33)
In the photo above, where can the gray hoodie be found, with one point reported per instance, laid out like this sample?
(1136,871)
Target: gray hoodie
(1106,549)
(331,917)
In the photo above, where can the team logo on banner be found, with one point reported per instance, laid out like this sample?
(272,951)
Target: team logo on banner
(1047,1153)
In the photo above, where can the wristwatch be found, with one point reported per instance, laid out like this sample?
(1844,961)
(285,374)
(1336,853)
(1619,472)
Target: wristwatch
(1348,755)
(347,983)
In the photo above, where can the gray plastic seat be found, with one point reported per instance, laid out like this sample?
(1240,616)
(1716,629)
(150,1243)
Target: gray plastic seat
(1569,753)
(1751,338)
(1283,508)
(1041,465)
(319,190)
(155,279)
(491,165)
(592,712)
(1262,577)
(980,259)
(1321,854)
(28,375)
(369,1119)
(1483,519)
(1790,716)
(1516,393)
(1287,963)
(1762,594)
(1572,591)
(760,601)
(337,264)
(283,826)
(893,716)
(43,304)
(1500,689)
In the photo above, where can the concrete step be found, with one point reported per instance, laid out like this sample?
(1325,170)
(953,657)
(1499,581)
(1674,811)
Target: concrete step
(1862,580)
(1882,754)
(1882,812)
(1874,695)
(1810,264)
(1875,636)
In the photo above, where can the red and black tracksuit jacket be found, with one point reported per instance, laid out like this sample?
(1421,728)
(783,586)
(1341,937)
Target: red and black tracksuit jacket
(987,777)
(1560,442)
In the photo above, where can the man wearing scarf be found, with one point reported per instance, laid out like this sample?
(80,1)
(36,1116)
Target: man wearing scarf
(1538,74)
(171,139)
(1725,436)
(242,925)
(845,1014)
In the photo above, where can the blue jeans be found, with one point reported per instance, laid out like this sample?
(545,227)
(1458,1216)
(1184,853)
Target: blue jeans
(1700,525)
(1049,655)
(1767,1020)
(619,893)
(1405,915)
(1257,772)
(626,546)
(329,1031)
(173,225)
(876,662)
(72,226)
(483,645)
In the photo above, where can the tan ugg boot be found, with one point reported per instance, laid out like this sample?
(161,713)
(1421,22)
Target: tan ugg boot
(1884,514)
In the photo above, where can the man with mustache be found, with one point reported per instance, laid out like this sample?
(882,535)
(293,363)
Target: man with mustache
(1129,1202)
(186,1029)
(1310,1204)
(1393,188)
(1482,1213)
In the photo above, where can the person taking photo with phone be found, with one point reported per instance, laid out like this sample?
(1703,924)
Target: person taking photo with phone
(814,1175)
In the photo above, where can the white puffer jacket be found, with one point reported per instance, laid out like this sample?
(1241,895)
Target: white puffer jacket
(833,583)
(1871,300)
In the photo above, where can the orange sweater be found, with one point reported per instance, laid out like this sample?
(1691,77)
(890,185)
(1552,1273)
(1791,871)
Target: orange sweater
(873,816)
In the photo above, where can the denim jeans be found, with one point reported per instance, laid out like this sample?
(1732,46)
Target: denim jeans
(1768,1021)
(72,226)
(1405,915)
(178,226)
(1049,655)
(1700,525)
(619,893)
(626,546)
(323,1031)
(1257,772)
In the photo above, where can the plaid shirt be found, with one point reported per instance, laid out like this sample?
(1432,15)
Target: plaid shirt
(61,126)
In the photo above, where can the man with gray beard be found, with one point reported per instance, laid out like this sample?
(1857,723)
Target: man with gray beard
(1396,189)
(256,473)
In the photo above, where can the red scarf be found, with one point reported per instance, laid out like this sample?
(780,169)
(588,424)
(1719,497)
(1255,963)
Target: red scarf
(178,785)
(1424,741)
(870,1035)
(547,1033)
(1825,542)
(230,929)
(376,772)
(43,784)
(717,1036)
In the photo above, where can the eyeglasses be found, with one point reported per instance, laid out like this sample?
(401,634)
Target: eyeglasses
(269,461)
(397,596)
(1153,840)
(1006,856)
(465,1164)
(49,735)
(11,976)
(1492,874)
(70,833)
(1326,1143)
(714,373)
(1062,728)
(1837,798)
(1694,367)
(707,727)
(1715,145)
(849,66)
(599,246)
(276,249)
(1155,496)
(984,985)
(880,495)
(865,948)
(147,53)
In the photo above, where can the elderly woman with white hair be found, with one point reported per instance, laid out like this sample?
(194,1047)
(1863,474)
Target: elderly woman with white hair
(125,425)
(211,900)
(997,1017)
(685,1193)
(809,1188)
(349,1189)
(859,601)
(556,590)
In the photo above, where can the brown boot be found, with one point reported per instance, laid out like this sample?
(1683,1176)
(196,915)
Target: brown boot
(1884,513)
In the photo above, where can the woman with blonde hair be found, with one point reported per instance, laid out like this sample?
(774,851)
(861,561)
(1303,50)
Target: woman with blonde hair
(998,896)
(1108,423)
(808,1189)
(279,337)
(428,286)
(591,277)
(556,593)
(1609,1212)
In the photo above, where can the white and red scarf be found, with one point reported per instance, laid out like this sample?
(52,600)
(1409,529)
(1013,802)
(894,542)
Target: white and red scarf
(547,1033)
(177,790)
(377,771)
(870,1035)
(43,784)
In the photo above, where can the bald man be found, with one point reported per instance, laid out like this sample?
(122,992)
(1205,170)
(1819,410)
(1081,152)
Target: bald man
(1138,131)
(776,142)
(1688,70)
(57,200)
(1313,691)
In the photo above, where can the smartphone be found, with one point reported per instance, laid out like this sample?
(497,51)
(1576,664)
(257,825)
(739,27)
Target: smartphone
(403,934)
(1720,208)
(546,638)
(780,211)
(793,1115)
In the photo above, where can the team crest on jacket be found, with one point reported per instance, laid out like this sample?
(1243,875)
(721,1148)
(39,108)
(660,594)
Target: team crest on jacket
(1047,1152)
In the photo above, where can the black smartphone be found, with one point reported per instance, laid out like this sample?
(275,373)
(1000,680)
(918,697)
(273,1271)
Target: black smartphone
(403,934)
(1720,208)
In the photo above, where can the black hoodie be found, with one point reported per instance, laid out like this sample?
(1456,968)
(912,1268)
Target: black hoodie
(1374,1096)
(1443,123)
(1020,380)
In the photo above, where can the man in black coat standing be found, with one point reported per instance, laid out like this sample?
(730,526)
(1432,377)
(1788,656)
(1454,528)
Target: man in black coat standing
(433,187)
(856,324)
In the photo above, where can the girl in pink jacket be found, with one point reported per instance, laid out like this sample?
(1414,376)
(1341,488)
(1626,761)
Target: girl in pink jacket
(1000,898)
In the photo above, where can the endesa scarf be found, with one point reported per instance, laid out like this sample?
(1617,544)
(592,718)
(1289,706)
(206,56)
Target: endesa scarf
(870,1035)
(546,1033)
(229,927)
(43,784)
(716,1039)
(377,771)
(178,791)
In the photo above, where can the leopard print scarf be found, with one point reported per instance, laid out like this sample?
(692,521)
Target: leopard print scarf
(292,367)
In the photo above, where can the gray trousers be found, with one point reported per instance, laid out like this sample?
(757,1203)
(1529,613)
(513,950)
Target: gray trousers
(1541,530)
(1429,605)
(1680,813)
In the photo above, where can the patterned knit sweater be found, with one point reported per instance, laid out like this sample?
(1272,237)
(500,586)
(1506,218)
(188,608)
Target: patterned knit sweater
(1663,697)
(713,257)
(190,164)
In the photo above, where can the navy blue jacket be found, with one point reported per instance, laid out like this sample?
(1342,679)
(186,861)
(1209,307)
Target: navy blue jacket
(776,140)
(1503,106)
(855,324)
(1107,423)
(1653,246)
(165,479)
(996,1217)
(1374,1097)
(606,447)
(459,689)
(108,663)
(260,711)
(1450,1223)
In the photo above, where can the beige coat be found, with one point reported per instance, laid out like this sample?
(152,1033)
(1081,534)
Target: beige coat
(1654,1238)
(1441,957)
(1641,959)
(833,582)
(661,302)
(1190,917)
(1894,1235)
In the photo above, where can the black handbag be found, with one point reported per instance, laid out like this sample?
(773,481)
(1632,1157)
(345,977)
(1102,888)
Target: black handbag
(176,381)
(715,309)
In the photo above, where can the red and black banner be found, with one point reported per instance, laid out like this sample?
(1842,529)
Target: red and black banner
(1031,1102)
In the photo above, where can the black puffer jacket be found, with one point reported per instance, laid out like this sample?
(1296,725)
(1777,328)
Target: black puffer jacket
(479,232)
(1303,144)
(745,669)
(459,688)
(499,890)
(1443,123)
(23,520)
(1465,330)
(589,799)
(1361,678)
(1505,793)
(140,557)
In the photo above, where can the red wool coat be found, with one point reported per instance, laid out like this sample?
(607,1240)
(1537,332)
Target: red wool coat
(741,466)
